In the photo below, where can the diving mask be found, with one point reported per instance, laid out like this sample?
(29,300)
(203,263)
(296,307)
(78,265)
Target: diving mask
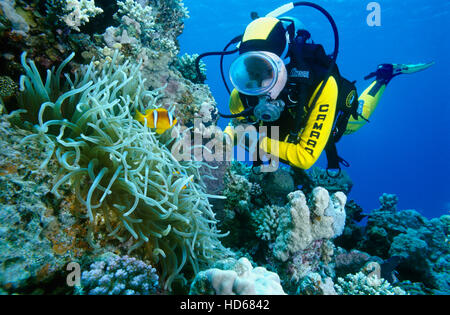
(258,73)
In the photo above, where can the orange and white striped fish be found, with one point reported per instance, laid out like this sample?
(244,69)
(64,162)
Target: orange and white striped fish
(159,119)
(184,175)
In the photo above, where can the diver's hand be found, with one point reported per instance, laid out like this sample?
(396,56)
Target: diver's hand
(220,145)
(228,146)
(227,140)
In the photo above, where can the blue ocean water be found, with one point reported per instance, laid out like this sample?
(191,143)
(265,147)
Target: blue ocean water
(405,149)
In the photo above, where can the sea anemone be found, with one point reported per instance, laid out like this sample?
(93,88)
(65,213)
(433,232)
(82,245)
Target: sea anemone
(120,169)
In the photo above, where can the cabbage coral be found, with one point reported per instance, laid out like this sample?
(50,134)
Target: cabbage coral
(120,169)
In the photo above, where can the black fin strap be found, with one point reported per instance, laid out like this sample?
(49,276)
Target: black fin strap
(364,118)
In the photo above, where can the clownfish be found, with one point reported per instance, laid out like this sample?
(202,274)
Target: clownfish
(178,173)
(159,119)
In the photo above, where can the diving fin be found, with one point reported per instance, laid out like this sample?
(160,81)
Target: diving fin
(386,72)
(412,68)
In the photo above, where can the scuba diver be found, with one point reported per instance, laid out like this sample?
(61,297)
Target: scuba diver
(282,78)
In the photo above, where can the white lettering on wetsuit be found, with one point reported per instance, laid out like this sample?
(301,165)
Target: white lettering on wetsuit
(317,128)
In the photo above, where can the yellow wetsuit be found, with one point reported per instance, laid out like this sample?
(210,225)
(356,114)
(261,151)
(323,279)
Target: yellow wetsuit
(370,98)
(314,136)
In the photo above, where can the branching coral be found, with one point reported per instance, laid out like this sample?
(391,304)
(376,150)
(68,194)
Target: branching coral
(171,15)
(79,12)
(361,284)
(265,221)
(142,15)
(121,171)
(141,34)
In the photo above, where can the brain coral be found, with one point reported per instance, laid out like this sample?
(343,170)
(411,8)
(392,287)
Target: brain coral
(122,172)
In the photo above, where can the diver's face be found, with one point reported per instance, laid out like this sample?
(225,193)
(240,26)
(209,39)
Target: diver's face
(259,71)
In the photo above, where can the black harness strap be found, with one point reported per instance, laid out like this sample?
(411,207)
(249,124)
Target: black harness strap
(334,160)
(332,155)
(304,55)
(302,98)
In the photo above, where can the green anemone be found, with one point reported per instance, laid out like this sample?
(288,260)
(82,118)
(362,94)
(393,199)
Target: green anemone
(120,169)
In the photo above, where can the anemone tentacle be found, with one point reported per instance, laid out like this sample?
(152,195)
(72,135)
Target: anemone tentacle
(119,168)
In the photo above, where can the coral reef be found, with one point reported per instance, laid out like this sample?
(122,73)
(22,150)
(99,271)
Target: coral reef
(45,38)
(141,30)
(140,16)
(115,275)
(137,24)
(419,242)
(239,194)
(8,88)
(235,213)
(231,277)
(84,182)
(293,238)
(83,120)
(196,103)
(296,240)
